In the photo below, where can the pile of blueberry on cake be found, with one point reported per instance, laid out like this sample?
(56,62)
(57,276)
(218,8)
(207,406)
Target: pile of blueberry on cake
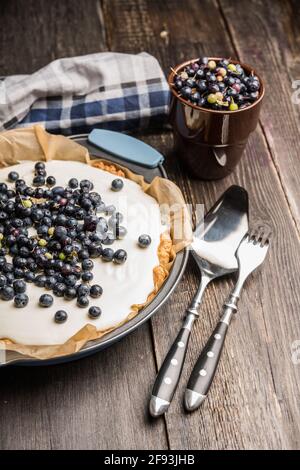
(50,235)
(220,85)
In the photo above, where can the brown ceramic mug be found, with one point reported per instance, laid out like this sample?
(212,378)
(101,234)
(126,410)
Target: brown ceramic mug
(211,142)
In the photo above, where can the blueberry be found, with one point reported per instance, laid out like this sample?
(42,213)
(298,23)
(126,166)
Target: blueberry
(120,256)
(51,181)
(50,282)
(229,81)
(10,207)
(239,99)
(83,301)
(253,95)
(144,240)
(7,293)
(59,289)
(253,85)
(30,192)
(211,78)
(107,254)
(94,250)
(73,183)
(13,176)
(41,173)
(96,291)
(42,231)
(86,204)
(190,71)
(29,276)
(71,222)
(39,166)
(87,276)
(87,264)
(17,223)
(7,267)
(86,185)
(61,220)
(19,287)
(3,215)
(38,180)
(90,223)
(83,254)
(3,188)
(186,92)
(109,239)
(20,182)
(94,312)
(178,83)
(70,293)
(3,281)
(60,316)
(68,250)
(117,184)
(19,273)
(200,74)
(40,280)
(10,193)
(37,214)
(80,214)
(46,300)
(67,269)
(10,278)
(47,221)
(60,232)
(190,82)
(21,300)
(83,290)
(195,97)
(231,92)
(213,88)
(95,237)
(39,193)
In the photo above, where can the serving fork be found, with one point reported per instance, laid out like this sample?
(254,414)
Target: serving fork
(250,254)
(214,245)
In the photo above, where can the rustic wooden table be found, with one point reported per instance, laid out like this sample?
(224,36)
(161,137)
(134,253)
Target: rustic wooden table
(101,402)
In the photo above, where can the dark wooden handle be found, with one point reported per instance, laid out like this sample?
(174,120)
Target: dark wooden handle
(169,374)
(205,368)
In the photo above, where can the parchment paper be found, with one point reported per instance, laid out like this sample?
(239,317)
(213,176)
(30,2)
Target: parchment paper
(37,145)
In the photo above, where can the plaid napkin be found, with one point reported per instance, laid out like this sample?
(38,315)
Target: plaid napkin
(73,95)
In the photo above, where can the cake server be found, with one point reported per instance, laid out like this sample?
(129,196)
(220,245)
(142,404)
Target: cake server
(250,254)
(214,246)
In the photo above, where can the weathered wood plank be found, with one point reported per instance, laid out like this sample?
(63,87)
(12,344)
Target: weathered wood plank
(99,402)
(94,403)
(35,32)
(250,405)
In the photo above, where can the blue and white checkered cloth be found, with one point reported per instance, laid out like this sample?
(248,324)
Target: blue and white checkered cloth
(74,95)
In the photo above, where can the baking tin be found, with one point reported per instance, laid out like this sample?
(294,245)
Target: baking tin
(13,358)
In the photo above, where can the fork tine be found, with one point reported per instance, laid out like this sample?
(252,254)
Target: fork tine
(260,235)
(255,233)
(266,238)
